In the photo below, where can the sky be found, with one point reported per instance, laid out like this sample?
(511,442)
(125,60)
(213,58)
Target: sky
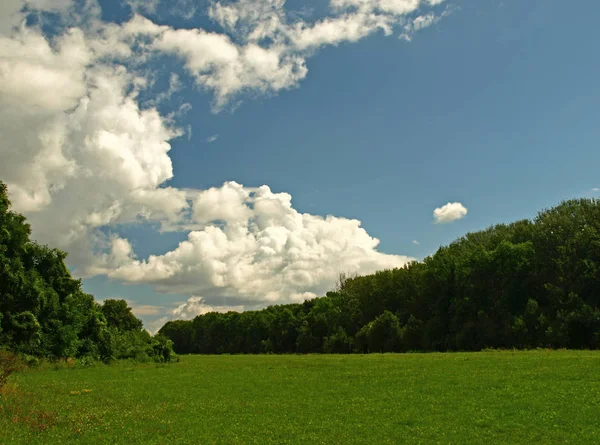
(196,156)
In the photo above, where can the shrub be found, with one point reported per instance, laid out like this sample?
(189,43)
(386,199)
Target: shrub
(31,361)
(162,349)
(85,362)
(9,363)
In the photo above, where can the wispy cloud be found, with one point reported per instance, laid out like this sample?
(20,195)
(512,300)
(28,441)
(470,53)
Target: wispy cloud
(175,85)
(143,6)
(145,309)
(415,242)
(411,27)
(421,22)
(211,139)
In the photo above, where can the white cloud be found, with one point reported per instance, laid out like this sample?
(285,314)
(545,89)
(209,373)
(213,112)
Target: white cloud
(97,160)
(395,7)
(417,24)
(78,152)
(450,212)
(424,21)
(596,189)
(332,31)
(266,52)
(195,306)
(250,20)
(10,14)
(226,203)
(213,138)
(222,66)
(11,11)
(82,157)
(155,317)
(262,250)
(415,242)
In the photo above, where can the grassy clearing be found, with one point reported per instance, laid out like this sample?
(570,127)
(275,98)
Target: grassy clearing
(495,397)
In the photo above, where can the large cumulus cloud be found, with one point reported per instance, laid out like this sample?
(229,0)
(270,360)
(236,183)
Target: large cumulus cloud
(82,157)
(79,154)
(256,248)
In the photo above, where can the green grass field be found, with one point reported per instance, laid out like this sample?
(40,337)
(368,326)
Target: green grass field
(536,397)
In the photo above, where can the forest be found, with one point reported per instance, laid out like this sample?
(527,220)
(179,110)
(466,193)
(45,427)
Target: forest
(44,312)
(529,284)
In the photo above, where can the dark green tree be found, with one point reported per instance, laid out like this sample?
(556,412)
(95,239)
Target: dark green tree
(119,316)
(43,310)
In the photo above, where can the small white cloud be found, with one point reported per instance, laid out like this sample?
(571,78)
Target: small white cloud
(450,212)
(195,306)
(596,189)
(415,242)
(424,21)
(419,23)
(211,139)
(184,109)
(187,310)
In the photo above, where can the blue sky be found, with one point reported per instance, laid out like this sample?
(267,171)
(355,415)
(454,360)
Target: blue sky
(494,106)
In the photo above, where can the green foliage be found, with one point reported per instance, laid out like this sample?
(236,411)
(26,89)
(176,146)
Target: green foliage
(339,343)
(45,313)
(31,361)
(383,334)
(9,363)
(412,334)
(527,284)
(162,349)
(119,316)
(26,331)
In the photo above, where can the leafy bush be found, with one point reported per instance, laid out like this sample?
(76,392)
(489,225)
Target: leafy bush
(9,363)
(162,349)
(45,313)
(31,361)
(85,362)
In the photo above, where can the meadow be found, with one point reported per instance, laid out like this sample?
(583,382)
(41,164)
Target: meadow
(541,397)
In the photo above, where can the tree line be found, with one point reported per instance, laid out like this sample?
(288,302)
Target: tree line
(45,313)
(532,283)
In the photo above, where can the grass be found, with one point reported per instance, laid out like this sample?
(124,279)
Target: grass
(541,397)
